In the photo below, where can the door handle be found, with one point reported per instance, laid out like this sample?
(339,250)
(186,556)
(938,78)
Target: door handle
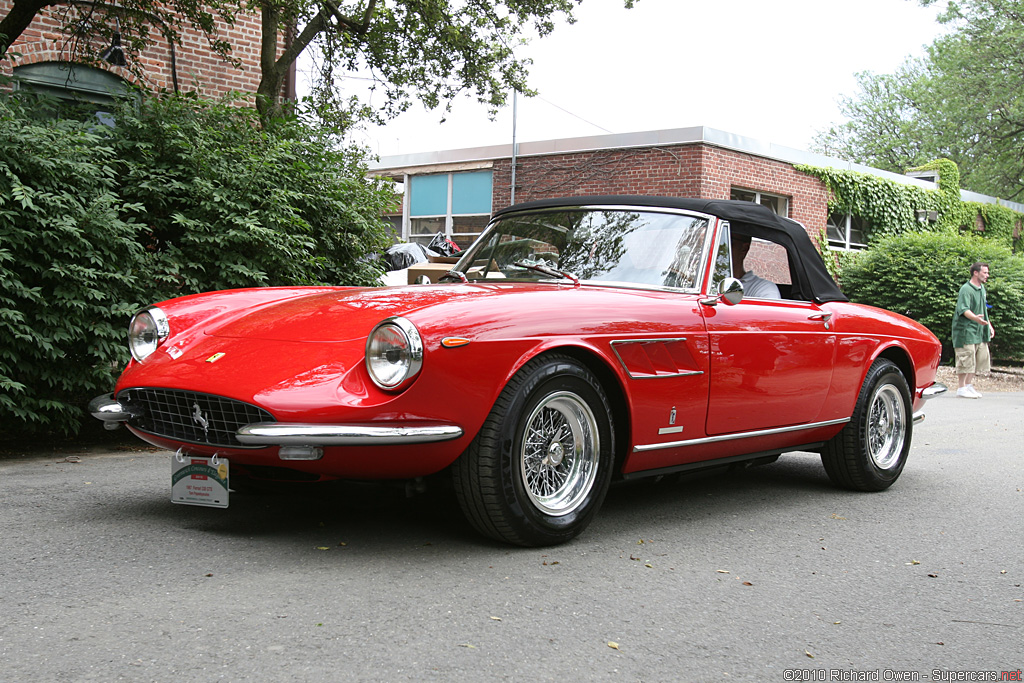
(820,316)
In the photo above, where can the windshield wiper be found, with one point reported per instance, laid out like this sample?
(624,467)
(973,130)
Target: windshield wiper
(547,270)
(454,275)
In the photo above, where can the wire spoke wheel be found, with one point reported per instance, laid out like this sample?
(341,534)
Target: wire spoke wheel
(560,452)
(871,450)
(886,427)
(538,470)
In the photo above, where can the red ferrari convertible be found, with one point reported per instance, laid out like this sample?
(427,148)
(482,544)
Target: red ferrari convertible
(578,341)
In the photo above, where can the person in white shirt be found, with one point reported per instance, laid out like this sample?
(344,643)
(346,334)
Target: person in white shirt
(753,286)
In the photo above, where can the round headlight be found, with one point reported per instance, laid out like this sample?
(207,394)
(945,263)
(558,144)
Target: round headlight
(147,329)
(394,353)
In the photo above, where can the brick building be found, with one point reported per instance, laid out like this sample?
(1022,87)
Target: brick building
(455,191)
(45,66)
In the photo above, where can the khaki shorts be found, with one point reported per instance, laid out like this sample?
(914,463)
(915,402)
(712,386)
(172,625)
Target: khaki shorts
(972,359)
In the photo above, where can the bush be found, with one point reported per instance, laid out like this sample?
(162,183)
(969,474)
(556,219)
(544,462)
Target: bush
(919,275)
(182,196)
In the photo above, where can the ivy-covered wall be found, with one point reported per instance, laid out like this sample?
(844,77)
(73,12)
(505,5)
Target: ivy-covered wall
(891,208)
(916,267)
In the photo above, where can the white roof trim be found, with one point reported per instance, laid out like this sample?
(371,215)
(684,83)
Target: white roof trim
(443,160)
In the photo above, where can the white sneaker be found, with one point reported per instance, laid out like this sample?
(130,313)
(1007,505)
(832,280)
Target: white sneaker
(967,392)
(977,394)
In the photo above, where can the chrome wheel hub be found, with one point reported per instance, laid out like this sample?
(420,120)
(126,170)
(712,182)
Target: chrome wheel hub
(556,453)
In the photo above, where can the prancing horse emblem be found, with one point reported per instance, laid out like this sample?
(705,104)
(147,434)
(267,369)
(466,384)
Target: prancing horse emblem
(197,417)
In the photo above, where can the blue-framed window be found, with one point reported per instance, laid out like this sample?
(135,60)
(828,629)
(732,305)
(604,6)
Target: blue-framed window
(455,204)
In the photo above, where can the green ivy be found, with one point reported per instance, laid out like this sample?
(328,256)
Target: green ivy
(890,208)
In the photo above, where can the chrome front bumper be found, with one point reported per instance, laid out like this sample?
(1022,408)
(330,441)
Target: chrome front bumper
(301,434)
(935,390)
(260,434)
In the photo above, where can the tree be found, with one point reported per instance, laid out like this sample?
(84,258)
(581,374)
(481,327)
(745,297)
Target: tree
(134,21)
(964,100)
(429,50)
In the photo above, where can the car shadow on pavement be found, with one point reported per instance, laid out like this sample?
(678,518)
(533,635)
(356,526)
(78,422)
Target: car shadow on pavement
(339,514)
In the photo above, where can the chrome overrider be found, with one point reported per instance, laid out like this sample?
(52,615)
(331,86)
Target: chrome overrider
(113,414)
(937,389)
(107,409)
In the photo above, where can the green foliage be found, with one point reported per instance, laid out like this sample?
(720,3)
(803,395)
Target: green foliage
(919,275)
(182,196)
(888,207)
(963,101)
(66,253)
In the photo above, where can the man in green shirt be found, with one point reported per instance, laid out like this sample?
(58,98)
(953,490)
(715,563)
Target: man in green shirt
(972,331)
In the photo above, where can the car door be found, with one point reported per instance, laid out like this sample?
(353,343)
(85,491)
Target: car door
(770,360)
(770,364)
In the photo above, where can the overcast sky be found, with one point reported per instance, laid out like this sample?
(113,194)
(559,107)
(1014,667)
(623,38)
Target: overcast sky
(773,71)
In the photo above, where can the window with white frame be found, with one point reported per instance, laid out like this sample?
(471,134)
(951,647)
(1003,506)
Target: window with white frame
(458,205)
(777,203)
(847,232)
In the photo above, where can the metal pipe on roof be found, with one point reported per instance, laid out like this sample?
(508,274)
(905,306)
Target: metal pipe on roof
(515,147)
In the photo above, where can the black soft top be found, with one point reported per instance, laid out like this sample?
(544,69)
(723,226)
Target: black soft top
(811,280)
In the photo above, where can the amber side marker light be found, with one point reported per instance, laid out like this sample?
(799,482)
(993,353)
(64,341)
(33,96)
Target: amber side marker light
(454,342)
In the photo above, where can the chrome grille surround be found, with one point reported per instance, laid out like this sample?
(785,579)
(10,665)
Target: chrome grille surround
(190,416)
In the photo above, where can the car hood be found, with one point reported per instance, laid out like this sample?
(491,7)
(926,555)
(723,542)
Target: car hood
(334,316)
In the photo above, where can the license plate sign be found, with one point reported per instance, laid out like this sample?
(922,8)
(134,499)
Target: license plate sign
(197,480)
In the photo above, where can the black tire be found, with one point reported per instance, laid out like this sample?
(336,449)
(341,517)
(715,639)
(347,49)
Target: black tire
(871,450)
(544,490)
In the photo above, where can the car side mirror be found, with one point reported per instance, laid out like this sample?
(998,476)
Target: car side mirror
(730,292)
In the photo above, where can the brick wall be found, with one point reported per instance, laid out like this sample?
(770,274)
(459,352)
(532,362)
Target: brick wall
(198,68)
(691,170)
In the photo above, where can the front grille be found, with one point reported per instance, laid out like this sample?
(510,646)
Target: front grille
(189,416)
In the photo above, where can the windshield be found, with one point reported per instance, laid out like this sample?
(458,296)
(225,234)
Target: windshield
(613,246)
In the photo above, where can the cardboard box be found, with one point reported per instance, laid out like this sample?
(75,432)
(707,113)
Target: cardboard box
(432,271)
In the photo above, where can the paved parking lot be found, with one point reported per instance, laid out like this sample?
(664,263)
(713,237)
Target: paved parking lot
(769,574)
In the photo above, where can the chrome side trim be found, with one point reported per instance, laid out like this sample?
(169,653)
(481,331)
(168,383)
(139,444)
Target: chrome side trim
(301,434)
(732,437)
(937,389)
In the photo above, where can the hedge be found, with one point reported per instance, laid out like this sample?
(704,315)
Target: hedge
(182,195)
(919,275)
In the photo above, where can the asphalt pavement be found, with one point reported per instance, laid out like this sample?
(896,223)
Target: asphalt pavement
(768,574)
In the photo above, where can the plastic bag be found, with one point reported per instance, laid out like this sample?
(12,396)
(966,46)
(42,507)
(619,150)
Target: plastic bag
(405,254)
(443,245)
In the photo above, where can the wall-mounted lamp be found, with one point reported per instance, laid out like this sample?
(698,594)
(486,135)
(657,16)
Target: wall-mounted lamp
(114,54)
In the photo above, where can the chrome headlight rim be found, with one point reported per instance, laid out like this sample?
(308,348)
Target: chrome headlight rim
(411,360)
(143,343)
